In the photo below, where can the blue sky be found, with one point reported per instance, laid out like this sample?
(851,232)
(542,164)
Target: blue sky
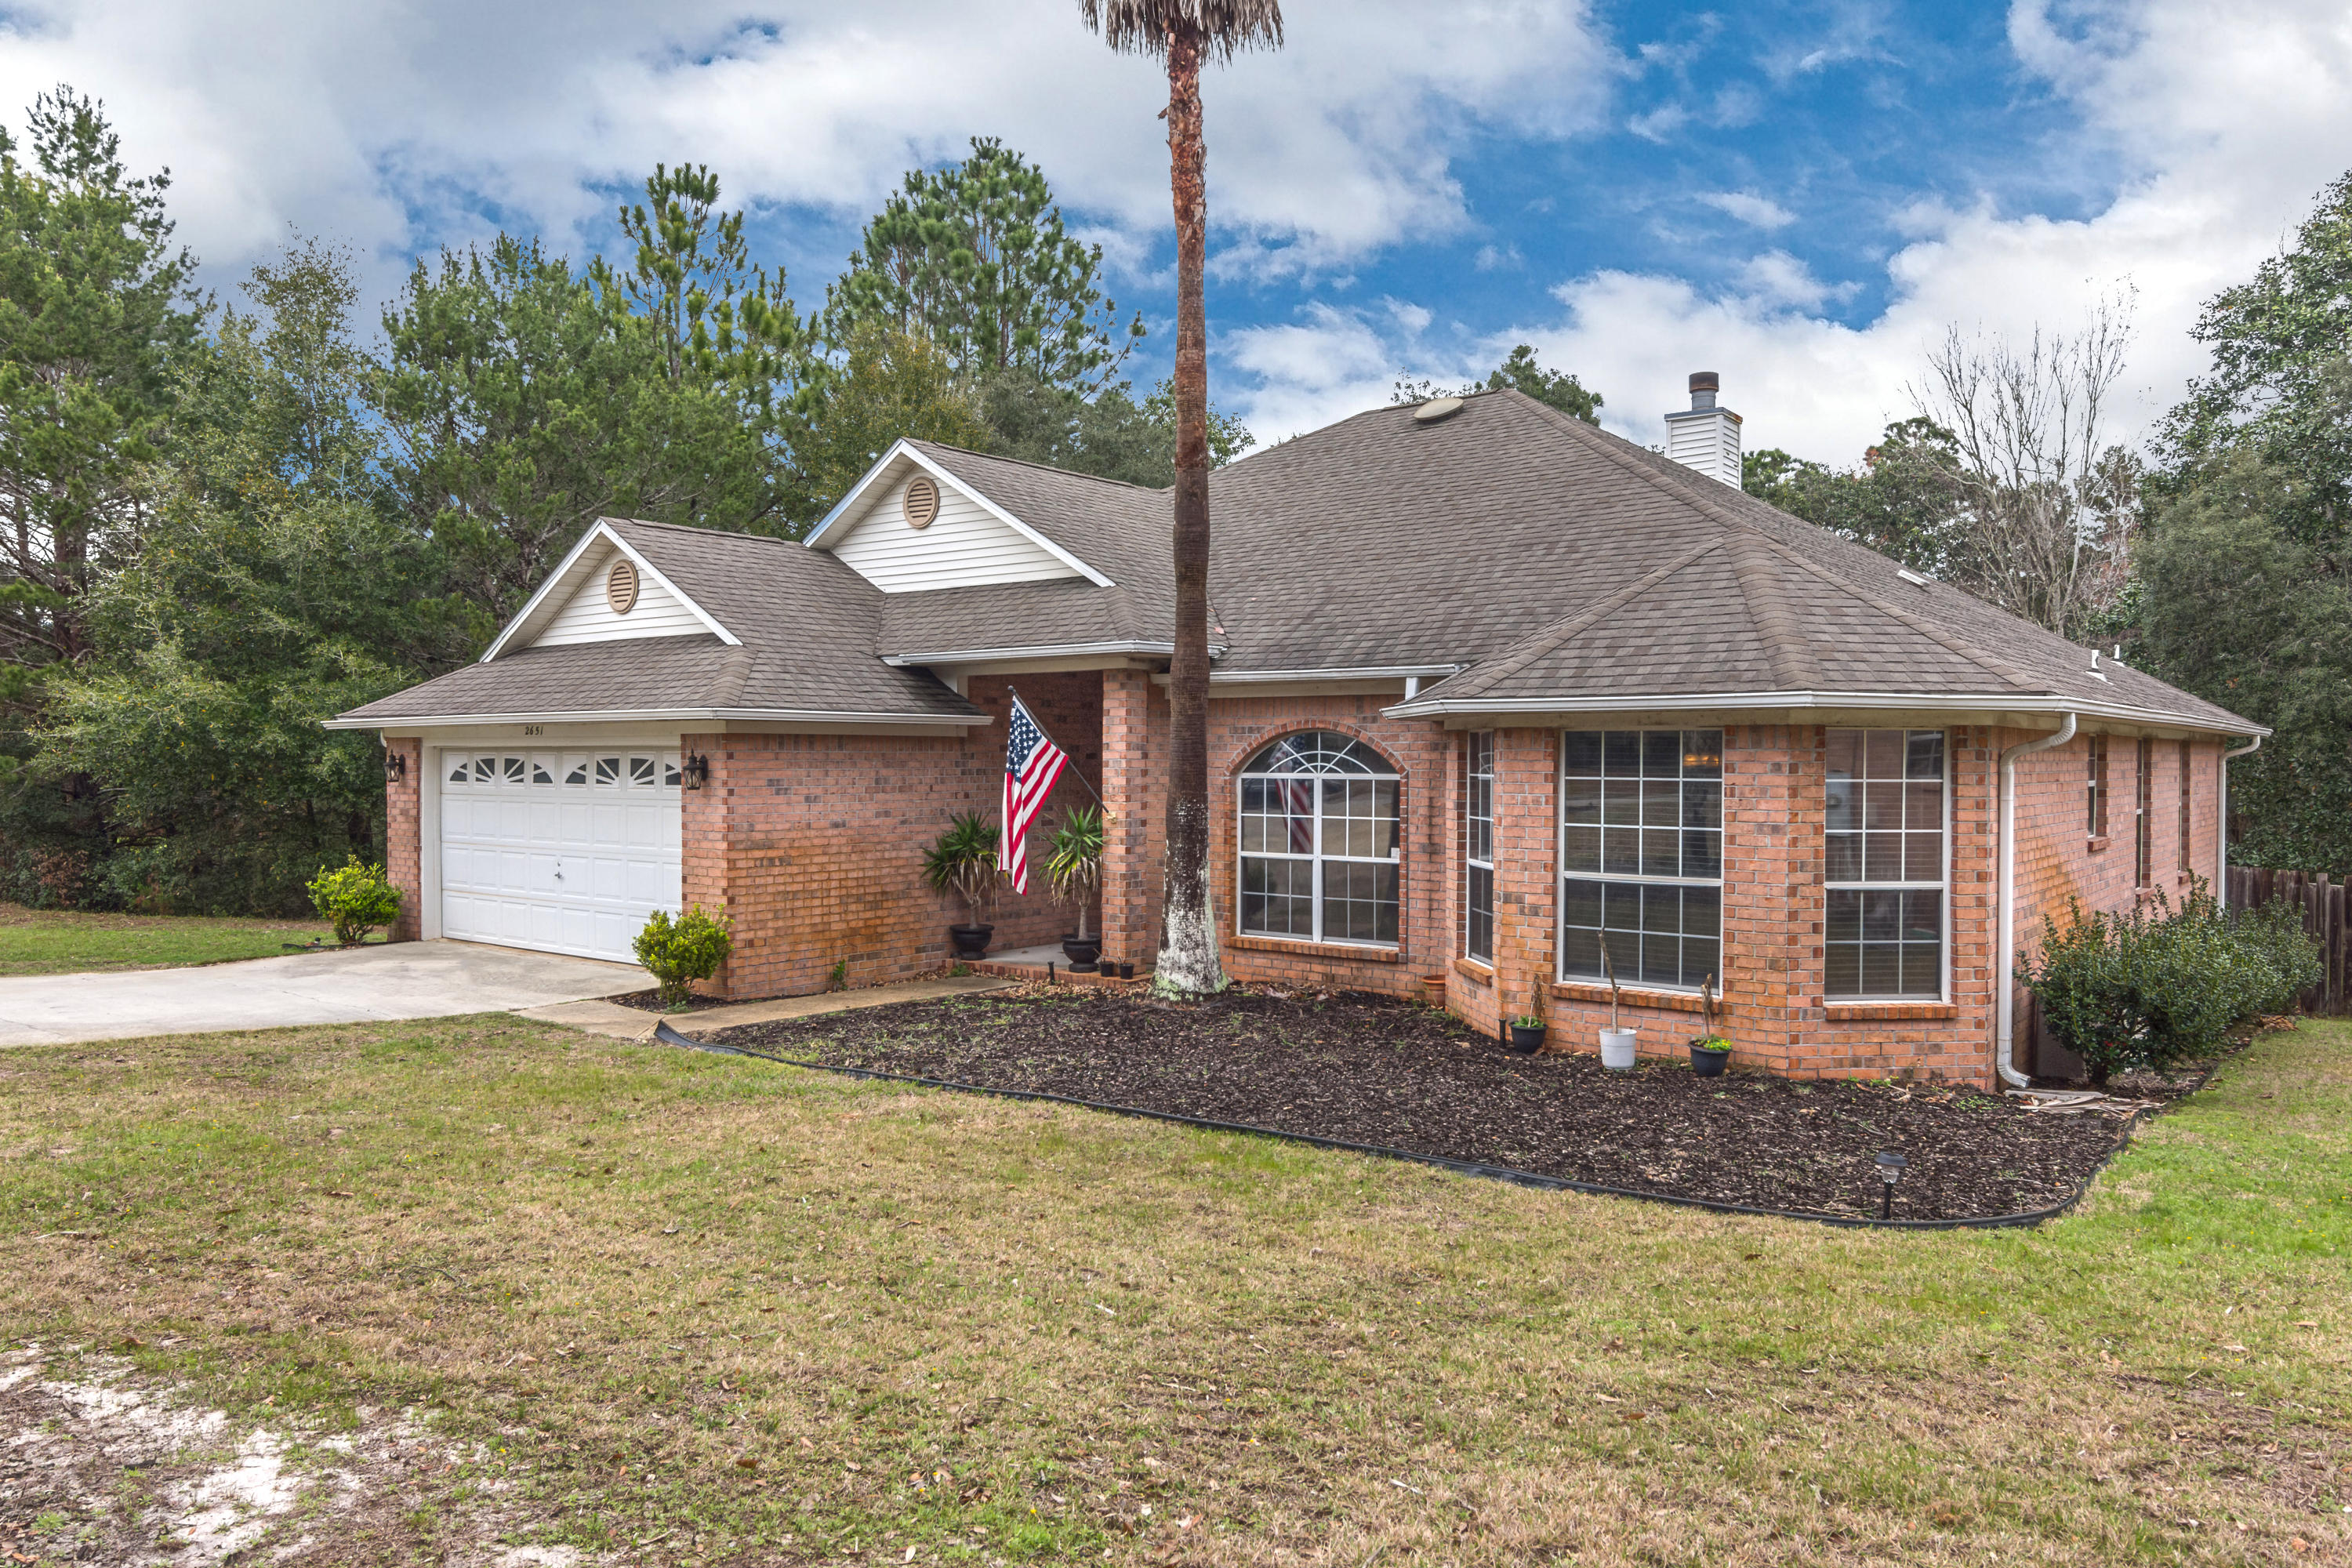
(1802,196)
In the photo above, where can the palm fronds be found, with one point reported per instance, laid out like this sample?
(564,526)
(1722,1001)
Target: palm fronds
(1223,27)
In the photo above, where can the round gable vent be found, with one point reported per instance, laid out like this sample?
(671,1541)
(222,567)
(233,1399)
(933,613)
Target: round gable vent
(921,501)
(1435,409)
(621,586)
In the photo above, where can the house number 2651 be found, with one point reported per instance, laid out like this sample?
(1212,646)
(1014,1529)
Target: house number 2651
(530,730)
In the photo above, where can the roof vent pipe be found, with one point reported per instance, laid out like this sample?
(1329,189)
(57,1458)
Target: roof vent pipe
(1706,437)
(2005,1020)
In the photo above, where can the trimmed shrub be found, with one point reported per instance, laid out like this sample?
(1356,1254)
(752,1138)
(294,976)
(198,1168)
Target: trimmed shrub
(682,951)
(2150,987)
(355,899)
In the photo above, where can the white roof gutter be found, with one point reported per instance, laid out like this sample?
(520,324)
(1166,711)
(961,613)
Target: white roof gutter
(2222,854)
(1685,701)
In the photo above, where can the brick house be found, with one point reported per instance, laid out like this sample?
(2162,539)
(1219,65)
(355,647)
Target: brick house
(1493,688)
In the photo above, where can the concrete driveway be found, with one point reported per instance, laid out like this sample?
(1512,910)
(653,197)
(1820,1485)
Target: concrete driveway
(395,980)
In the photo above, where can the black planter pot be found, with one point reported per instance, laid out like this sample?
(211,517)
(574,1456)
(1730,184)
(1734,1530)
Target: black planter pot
(1706,1063)
(971,941)
(1083,951)
(1527,1040)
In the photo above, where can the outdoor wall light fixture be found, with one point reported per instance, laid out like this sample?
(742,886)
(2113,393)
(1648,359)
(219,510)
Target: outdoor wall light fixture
(1890,1171)
(396,765)
(696,771)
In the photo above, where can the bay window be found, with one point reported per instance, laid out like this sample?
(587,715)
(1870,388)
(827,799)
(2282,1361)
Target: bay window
(1640,855)
(1884,865)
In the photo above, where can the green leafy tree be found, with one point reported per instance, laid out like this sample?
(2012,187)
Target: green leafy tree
(1558,387)
(95,315)
(977,258)
(1111,435)
(276,585)
(1902,499)
(2240,605)
(2280,375)
(524,401)
(890,385)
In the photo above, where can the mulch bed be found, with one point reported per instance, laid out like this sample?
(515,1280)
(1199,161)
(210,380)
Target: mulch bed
(651,1002)
(1370,1069)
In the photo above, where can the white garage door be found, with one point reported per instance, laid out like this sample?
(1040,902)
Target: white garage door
(564,851)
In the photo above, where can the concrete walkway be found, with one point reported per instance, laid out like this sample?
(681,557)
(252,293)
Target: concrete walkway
(635,1023)
(395,980)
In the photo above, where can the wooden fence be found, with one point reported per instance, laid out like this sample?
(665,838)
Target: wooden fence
(2323,916)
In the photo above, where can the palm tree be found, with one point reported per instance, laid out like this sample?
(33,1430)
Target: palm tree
(1183,33)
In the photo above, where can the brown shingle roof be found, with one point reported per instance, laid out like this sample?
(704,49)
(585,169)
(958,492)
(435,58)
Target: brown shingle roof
(806,623)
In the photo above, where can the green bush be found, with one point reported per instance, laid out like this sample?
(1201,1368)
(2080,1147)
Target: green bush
(2150,987)
(682,951)
(356,899)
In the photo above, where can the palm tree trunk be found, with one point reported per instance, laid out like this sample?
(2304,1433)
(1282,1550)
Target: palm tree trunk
(1188,964)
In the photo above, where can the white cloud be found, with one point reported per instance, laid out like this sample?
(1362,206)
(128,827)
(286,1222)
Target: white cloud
(399,123)
(1755,211)
(2212,187)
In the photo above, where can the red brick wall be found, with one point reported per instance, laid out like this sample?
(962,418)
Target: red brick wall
(2057,859)
(814,843)
(1134,749)
(403,830)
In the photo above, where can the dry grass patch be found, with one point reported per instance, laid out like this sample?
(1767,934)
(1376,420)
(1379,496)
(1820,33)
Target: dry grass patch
(715,1311)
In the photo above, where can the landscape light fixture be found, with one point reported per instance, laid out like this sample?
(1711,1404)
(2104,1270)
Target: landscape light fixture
(696,771)
(1890,1171)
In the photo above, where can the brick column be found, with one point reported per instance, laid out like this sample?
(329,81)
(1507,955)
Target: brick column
(705,860)
(404,828)
(1131,789)
(1526,763)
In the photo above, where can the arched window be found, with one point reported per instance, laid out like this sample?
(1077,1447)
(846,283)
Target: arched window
(1319,855)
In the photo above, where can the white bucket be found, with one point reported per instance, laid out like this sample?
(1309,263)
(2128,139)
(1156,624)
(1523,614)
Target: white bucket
(1617,1049)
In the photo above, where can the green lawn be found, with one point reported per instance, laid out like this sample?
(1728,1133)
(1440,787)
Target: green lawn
(47,941)
(751,1314)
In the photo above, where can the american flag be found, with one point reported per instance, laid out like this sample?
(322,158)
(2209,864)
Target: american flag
(1032,763)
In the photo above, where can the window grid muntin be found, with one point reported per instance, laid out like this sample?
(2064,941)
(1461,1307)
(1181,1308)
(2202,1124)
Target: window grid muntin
(1677,916)
(1877,904)
(2144,814)
(2097,782)
(1478,848)
(2188,798)
(1297,876)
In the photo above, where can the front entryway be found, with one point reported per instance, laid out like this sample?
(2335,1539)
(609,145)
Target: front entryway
(562,851)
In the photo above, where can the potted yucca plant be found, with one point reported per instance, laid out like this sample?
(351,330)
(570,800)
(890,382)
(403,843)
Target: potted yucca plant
(1074,870)
(963,862)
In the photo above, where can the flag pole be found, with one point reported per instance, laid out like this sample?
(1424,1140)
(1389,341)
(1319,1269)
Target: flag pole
(1072,771)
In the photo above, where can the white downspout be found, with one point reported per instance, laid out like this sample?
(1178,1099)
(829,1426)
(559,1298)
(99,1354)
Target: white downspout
(2221,853)
(2004,1022)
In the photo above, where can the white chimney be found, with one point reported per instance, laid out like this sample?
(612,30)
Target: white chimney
(1706,437)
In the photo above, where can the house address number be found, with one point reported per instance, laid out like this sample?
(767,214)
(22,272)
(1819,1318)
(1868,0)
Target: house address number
(530,729)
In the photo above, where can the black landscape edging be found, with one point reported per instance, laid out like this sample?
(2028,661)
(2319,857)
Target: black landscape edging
(669,1036)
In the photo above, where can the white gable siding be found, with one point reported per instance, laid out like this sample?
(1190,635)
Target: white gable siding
(589,617)
(964,545)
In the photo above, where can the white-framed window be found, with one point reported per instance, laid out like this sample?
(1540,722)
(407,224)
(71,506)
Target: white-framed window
(1319,853)
(1886,864)
(1478,846)
(1640,855)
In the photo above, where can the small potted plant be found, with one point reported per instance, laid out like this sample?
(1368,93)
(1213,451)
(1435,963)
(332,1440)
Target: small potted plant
(1527,1030)
(1616,1044)
(1074,870)
(1711,1050)
(963,862)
